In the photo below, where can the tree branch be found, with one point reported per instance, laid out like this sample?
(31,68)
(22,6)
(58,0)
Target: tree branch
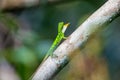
(102,17)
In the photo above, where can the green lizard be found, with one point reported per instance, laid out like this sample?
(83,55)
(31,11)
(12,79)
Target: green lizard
(61,30)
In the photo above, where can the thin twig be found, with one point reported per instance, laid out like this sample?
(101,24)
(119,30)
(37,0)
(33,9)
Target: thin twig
(10,4)
(13,4)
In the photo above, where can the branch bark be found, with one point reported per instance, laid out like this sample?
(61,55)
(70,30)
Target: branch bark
(102,17)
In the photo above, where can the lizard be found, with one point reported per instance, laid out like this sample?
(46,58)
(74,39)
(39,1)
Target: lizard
(61,30)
